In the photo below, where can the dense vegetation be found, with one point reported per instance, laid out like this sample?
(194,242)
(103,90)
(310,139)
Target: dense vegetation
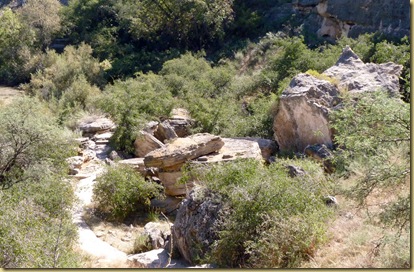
(224,61)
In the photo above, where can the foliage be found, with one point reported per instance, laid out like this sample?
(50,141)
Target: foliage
(271,220)
(42,16)
(121,191)
(30,139)
(37,229)
(17,58)
(373,136)
(132,103)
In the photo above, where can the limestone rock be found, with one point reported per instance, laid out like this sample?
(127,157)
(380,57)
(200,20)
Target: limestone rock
(157,258)
(356,76)
(194,227)
(136,163)
(321,153)
(74,162)
(302,116)
(233,148)
(145,143)
(170,182)
(165,132)
(95,125)
(181,150)
(166,205)
(158,233)
(267,147)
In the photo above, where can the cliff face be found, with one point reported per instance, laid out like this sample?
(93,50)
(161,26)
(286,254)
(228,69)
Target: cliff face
(337,18)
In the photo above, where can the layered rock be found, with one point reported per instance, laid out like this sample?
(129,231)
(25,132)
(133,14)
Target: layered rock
(96,125)
(194,227)
(302,117)
(181,150)
(357,76)
(145,143)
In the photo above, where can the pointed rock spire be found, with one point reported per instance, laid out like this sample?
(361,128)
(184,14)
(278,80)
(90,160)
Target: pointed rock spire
(348,57)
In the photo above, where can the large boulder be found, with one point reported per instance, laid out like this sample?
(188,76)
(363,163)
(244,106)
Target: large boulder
(96,125)
(194,228)
(158,233)
(181,150)
(302,115)
(267,147)
(233,149)
(356,76)
(145,143)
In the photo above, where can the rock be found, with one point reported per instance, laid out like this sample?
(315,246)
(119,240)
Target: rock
(167,205)
(74,162)
(267,147)
(151,127)
(321,153)
(181,150)
(136,163)
(181,127)
(295,171)
(88,155)
(233,148)
(157,258)
(158,233)
(145,143)
(165,132)
(356,76)
(194,228)
(114,155)
(170,182)
(94,125)
(302,115)
(330,200)
(102,136)
(180,113)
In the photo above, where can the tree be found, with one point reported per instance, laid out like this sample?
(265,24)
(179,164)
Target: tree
(42,16)
(372,132)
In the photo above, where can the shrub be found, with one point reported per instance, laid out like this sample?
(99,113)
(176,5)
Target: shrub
(121,191)
(269,219)
(373,136)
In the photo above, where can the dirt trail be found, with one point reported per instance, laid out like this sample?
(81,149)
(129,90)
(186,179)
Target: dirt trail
(103,253)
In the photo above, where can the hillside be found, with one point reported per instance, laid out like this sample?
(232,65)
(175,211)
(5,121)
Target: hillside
(216,134)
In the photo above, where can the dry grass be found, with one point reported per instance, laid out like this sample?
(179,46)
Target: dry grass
(7,94)
(357,242)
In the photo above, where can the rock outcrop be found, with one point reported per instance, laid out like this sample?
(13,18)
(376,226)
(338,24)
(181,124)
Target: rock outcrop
(333,19)
(145,143)
(181,150)
(302,117)
(357,76)
(194,227)
(96,125)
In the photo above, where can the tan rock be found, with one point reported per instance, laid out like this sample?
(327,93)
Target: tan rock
(267,147)
(136,163)
(145,143)
(181,150)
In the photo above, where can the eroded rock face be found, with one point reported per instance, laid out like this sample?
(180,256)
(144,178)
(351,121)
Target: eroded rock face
(145,143)
(181,150)
(356,76)
(194,229)
(96,125)
(302,116)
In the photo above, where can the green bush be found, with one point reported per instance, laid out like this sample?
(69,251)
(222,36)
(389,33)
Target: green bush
(36,200)
(121,191)
(269,219)
(373,139)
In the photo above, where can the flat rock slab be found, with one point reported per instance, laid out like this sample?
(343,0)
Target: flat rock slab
(96,125)
(145,143)
(181,150)
(233,149)
(136,163)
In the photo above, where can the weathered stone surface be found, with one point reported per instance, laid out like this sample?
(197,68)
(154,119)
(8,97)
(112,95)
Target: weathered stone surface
(151,127)
(233,148)
(165,132)
(146,143)
(158,233)
(356,76)
(321,153)
(136,163)
(194,227)
(295,171)
(166,205)
(95,125)
(170,182)
(267,147)
(181,150)
(157,258)
(302,116)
